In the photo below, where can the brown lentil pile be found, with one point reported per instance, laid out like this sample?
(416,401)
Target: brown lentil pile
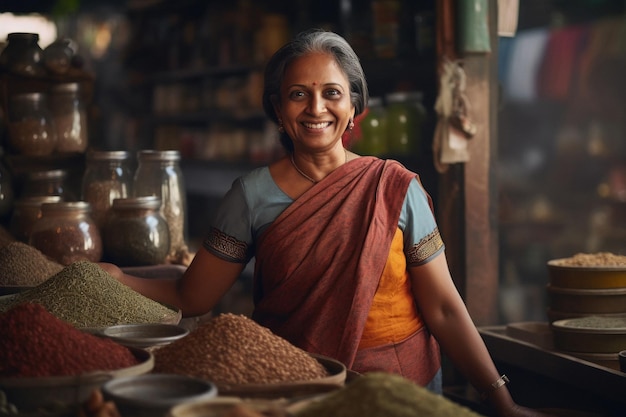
(23,265)
(35,343)
(380,394)
(593,259)
(232,349)
(85,295)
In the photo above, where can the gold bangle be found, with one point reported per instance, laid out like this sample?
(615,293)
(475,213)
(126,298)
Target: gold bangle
(499,383)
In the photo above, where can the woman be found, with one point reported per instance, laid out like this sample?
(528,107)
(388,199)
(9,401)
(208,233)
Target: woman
(349,260)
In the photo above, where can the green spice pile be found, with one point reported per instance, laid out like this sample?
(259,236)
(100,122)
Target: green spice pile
(23,265)
(597,322)
(35,343)
(85,295)
(380,394)
(232,349)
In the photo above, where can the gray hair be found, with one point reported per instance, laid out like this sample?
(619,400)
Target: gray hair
(314,41)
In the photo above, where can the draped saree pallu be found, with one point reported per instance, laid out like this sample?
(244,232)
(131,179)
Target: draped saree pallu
(318,267)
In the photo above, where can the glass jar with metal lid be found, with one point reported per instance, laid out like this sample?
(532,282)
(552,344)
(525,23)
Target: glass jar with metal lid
(135,233)
(107,176)
(69,117)
(26,212)
(30,126)
(66,233)
(22,55)
(158,173)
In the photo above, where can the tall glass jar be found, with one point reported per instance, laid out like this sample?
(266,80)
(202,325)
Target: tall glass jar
(26,212)
(66,233)
(107,176)
(69,117)
(135,233)
(158,173)
(22,55)
(30,125)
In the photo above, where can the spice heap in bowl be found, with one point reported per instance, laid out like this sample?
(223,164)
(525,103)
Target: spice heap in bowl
(46,362)
(587,306)
(245,359)
(587,284)
(88,297)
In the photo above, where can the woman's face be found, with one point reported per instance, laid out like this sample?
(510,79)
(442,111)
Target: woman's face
(314,104)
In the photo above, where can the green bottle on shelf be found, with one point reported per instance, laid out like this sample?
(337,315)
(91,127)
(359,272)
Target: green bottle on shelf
(373,130)
(405,115)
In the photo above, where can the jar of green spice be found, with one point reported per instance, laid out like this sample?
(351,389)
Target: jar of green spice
(135,233)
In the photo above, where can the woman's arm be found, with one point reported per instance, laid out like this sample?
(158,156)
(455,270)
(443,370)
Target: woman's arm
(447,318)
(202,285)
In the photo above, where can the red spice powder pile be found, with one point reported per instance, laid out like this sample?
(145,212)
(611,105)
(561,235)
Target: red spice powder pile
(35,343)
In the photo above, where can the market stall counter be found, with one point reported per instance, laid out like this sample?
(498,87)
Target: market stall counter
(544,377)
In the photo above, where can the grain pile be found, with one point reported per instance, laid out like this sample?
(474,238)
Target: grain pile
(23,265)
(593,260)
(380,394)
(232,349)
(85,295)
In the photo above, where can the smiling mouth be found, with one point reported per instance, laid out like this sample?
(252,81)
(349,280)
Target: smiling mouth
(316,125)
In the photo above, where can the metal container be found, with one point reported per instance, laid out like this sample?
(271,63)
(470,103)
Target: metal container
(590,334)
(145,335)
(586,277)
(154,395)
(587,301)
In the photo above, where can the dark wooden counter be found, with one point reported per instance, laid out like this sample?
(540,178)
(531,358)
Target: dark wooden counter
(542,377)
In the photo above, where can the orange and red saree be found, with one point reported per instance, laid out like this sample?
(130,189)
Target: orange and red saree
(319,264)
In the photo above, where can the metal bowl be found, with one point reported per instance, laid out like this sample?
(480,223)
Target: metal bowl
(586,277)
(153,395)
(31,394)
(590,334)
(145,335)
(589,301)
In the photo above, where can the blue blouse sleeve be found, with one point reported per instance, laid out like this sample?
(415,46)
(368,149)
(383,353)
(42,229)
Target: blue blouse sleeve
(422,241)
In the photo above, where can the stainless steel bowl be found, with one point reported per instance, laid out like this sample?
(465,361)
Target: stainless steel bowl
(145,335)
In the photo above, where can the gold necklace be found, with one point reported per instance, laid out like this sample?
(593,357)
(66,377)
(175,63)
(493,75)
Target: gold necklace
(293,162)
